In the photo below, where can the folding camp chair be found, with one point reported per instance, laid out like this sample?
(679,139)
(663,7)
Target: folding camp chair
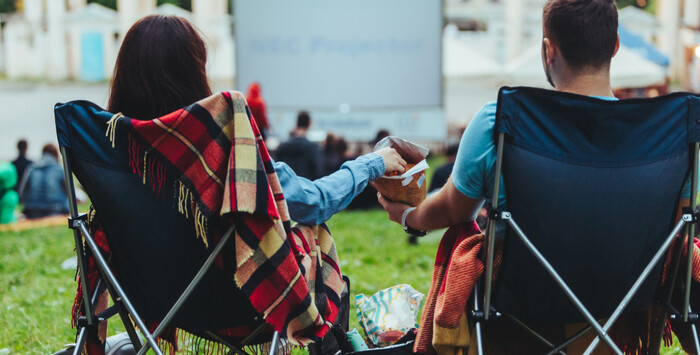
(594,186)
(152,273)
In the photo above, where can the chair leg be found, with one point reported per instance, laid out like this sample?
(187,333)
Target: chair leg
(602,333)
(80,342)
(111,279)
(477,324)
(273,344)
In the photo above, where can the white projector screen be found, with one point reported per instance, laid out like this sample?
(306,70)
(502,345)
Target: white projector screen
(328,54)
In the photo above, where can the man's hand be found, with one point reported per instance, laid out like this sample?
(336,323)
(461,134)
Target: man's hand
(394,209)
(392,160)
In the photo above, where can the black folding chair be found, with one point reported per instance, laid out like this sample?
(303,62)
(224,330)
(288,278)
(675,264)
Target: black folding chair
(594,185)
(158,270)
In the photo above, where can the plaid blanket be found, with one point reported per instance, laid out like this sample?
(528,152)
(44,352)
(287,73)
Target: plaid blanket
(444,327)
(211,159)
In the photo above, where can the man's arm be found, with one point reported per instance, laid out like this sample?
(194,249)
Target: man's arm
(447,207)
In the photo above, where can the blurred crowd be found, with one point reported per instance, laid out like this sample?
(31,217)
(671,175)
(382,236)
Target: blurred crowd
(39,185)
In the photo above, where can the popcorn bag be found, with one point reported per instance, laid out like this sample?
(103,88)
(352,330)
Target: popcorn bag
(389,314)
(409,187)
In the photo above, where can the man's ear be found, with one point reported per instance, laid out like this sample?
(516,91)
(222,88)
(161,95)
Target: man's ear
(617,45)
(549,49)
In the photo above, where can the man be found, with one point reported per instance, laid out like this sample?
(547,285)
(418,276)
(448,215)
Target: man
(579,40)
(21,162)
(303,156)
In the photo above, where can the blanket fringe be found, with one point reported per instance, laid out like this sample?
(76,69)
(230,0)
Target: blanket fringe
(187,206)
(185,342)
(112,127)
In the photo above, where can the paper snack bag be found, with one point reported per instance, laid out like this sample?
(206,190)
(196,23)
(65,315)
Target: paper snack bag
(409,187)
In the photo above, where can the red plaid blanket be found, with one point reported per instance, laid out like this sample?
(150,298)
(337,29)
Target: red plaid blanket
(211,158)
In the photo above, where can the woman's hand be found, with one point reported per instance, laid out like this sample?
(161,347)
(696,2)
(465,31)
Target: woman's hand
(392,160)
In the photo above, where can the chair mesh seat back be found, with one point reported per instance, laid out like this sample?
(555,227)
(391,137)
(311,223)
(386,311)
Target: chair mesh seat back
(594,184)
(155,251)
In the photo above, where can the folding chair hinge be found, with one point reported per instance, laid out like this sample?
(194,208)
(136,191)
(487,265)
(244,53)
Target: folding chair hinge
(73,222)
(497,215)
(693,318)
(689,215)
(479,316)
(82,321)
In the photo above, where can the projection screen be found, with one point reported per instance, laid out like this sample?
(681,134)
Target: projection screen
(321,53)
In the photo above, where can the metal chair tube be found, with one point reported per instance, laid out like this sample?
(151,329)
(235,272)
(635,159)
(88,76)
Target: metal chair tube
(559,349)
(691,233)
(564,286)
(80,341)
(104,267)
(638,283)
(73,207)
(183,297)
(273,344)
(477,325)
(492,227)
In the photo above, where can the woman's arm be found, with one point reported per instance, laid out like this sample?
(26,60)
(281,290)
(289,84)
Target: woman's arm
(314,202)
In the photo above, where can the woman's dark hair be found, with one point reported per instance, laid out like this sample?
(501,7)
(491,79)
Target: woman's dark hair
(161,67)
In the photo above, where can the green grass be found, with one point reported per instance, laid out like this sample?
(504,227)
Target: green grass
(36,294)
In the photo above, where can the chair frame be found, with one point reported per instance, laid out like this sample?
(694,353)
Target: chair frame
(122,304)
(688,219)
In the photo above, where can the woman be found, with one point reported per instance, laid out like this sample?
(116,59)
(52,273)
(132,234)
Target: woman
(161,67)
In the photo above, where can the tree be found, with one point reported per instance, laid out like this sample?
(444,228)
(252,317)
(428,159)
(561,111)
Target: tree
(112,4)
(185,4)
(7,6)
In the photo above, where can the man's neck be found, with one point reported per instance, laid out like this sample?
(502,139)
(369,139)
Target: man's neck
(299,132)
(589,84)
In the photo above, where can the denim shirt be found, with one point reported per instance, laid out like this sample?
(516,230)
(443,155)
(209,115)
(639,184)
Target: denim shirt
(43,186)
(314,202)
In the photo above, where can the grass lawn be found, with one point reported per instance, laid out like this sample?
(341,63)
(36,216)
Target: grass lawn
(37,294)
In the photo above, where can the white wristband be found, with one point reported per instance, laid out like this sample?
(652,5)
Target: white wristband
(405,214)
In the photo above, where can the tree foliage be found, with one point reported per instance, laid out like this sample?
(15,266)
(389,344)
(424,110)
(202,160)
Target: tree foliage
(647,5)
(185,4)
(7,6)
(112,4)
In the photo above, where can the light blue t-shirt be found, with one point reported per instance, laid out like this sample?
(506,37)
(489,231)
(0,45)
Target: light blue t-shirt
(475,166)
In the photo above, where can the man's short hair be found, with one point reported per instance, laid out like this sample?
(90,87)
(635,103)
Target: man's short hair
(22,145)
(303,119)
(584,30)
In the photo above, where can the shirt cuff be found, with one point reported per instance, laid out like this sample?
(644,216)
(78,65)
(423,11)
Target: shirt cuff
(374,164)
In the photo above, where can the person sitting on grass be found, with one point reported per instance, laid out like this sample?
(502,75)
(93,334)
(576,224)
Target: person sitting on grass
(43,188)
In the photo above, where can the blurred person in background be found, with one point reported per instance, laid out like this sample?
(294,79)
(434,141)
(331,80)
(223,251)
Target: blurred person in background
(256,103)
(8,196)
(442,173)
(43,188)
(331,159)
(144,88)
(302,155)
(21,162)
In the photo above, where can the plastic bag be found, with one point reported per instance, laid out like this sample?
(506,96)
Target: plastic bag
(387,315)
